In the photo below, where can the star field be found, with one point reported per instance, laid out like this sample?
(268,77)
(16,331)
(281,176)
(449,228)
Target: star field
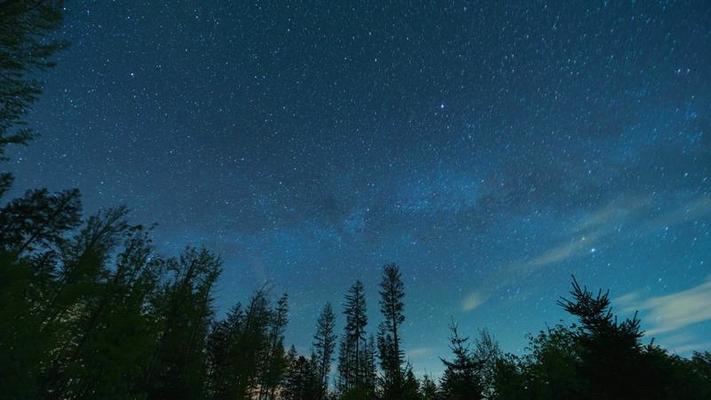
(490,150)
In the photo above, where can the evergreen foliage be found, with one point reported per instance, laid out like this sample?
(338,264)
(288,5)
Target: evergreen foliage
(392,292)
(324,345)
(90,310)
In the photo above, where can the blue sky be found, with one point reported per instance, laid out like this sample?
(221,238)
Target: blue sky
(490,150)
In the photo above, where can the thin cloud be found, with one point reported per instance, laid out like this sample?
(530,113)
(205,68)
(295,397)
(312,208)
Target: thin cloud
(628,300)
(565,251)
(691,347)
(694,209)
(589,231)
(684,342)
(674,311)
(628,212)
(473,300)
(419,352)
(604,222)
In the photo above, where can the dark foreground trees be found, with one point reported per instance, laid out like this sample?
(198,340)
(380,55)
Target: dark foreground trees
(324,343)
(599,358)
(90,310)
(461,380)
(392,292)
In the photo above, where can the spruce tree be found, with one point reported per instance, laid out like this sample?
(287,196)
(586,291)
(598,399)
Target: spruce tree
(369,375)
(251,345)
(611,352)
(344,380)
(392,292)
(274,364)
(24,50)
(301,382)
(324,342)
(100,303)
(410,385)
(486,353)
(178,366)
(461,375)
(351,358)
(428,389)
(221,369)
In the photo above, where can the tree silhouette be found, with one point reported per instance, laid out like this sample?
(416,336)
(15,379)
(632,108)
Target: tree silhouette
(461,375)
(177,367)
(302,381)
(324,342)
(392,292)
(428,389)
(274,363)
(24,51)
(352,371)
(486,353)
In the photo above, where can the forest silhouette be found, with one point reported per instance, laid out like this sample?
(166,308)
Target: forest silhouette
(90,310)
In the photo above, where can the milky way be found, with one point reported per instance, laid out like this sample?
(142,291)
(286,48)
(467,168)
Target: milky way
(490,150)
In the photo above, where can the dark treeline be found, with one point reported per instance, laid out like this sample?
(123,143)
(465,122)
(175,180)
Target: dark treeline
(90,310)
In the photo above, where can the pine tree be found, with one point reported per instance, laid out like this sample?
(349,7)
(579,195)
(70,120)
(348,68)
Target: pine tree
(177,368)
(351,368)
(392,292)
(428,389)
(461,375)
(354,336)
(24,50)
(274,364)
(221,371)
(101,305)
(369,376)
(511,379)
(251,344)
(410,385)
(301,381)
(486,353)
(32,228)
(324,345)
(611,352)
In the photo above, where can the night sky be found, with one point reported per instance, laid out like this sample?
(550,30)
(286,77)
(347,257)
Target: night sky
(490,150)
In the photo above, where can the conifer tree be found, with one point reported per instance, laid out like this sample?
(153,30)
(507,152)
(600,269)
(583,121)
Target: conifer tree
(461,375)
(274,364)
(301,381)
(100,306)
(351,368)
(220,358)
(31,228)
(428,389)
(251,344)
(611,352)
(392,292)
(345,366)
(369,375)
(410,385)
(24,51)
(324,342)
(486,353)
(177,369)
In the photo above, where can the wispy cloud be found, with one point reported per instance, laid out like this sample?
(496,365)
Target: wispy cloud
(563,251)
(689,347)
(474,300)
(627,213)
(684,342)
(674,311)
(590,230)
(420,352)
(694,209)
